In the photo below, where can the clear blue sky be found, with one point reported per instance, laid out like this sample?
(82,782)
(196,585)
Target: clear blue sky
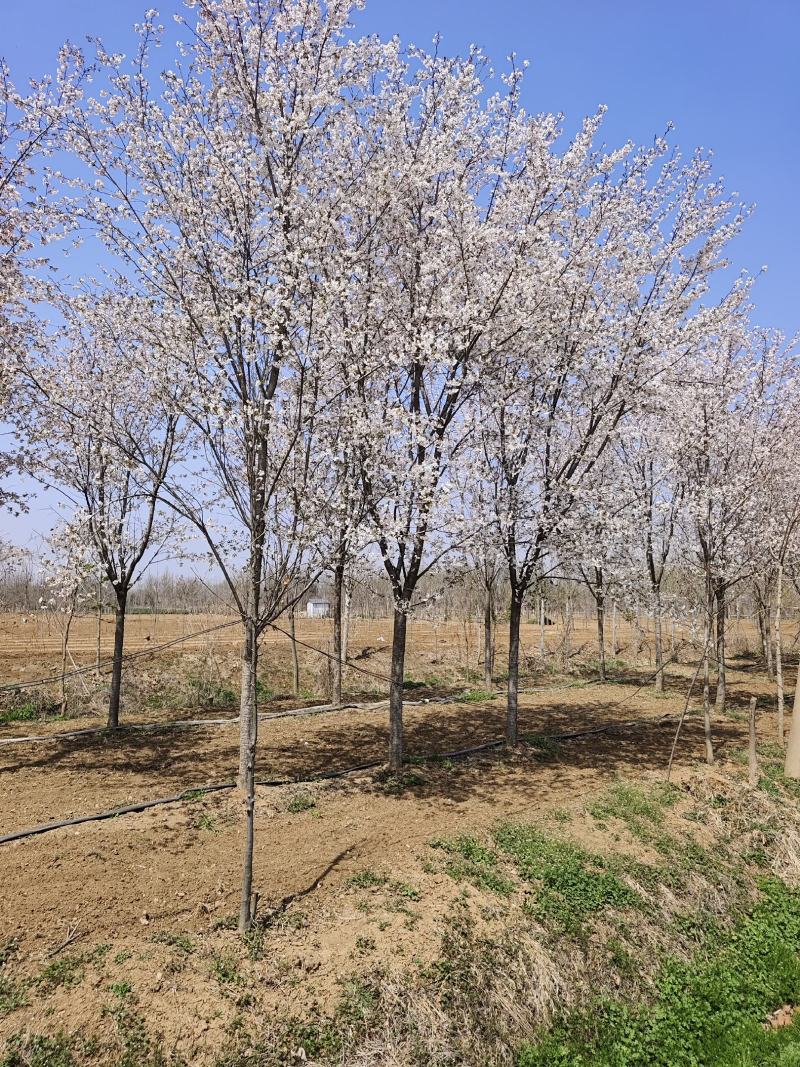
(726,73)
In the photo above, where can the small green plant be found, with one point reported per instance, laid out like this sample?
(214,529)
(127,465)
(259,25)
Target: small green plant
(709,1011)
(225,969)
(67,971)
(547,747)
(367,879)
(36,1050)
(121,990)
(179,941)
(573,883)
(475,696)
(473,862)
(396,784)
(20,713)
(206,822)
(301,802)
(365,945)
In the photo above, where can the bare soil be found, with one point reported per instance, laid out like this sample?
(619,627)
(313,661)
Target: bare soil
(131,884)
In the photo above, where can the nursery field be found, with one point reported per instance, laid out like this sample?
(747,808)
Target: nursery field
(449,915)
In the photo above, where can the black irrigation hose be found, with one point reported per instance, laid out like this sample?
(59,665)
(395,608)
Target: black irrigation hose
(191,793)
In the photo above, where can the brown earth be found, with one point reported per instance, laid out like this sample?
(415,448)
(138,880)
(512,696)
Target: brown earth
(132,884)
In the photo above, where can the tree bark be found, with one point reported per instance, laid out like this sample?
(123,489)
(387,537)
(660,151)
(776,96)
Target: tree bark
(488,639)
(99,628)
(515,618)
(116,667)
(706,678)
(542,621)
(779,654)
(658,640)
(396,689)
(792,763)
(752,754)
(338,585)
(601,636)
(248,738)
(295,656)
(64,654)
(614,644)
(719,703)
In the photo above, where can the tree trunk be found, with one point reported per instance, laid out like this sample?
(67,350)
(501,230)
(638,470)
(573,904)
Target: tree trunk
(658,640)
(248,738)
(295,656)
(116,668)
(542,621)
(515,618)
(338,585)
(396,689)
(720,698)
(752,753)
(779,654)
(601,636)
(348,598)
(792,764)
(64,653)
(99,628)
(706,677)
(488,639)
(614,644)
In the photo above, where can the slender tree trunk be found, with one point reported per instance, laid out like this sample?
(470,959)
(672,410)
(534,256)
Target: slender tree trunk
(542,622)
(64,653)
(248,739)
(348,599)
(99,627)
(768,638)
(792,764)
(601,636)
(338,586)
(116,668)
(515,618)
(295,656)
(752,753)
(396,689)
(721,689)
(488,638)
(658,640)
(614,643)
(707,679)
(779,654)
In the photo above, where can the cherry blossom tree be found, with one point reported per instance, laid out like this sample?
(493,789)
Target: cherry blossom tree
(633,240)
(80,403)
(211,186)
(433,248)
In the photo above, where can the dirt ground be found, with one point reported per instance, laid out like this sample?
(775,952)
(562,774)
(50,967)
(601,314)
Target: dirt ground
(122,890)
(117,896)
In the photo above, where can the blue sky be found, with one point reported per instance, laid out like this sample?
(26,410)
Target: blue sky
(726,74)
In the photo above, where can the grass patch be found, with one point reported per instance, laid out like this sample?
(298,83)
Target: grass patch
(707,1012)
(475,696)
(367,879)
(301,802)
(573,884)
(179,941)
(641,809)
(470,861)
(546,747)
